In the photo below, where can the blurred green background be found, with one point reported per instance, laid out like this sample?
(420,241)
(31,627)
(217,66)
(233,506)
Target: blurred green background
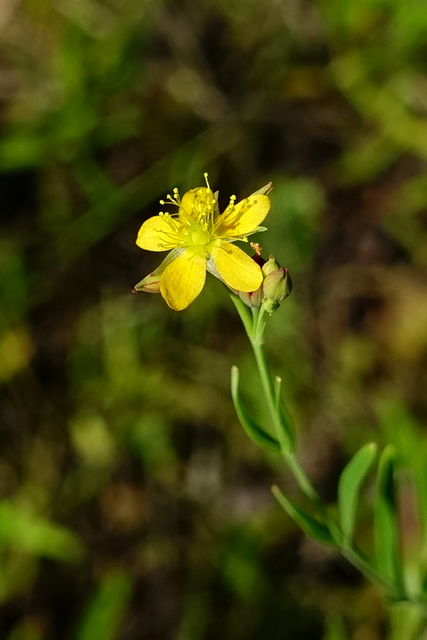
(133,506)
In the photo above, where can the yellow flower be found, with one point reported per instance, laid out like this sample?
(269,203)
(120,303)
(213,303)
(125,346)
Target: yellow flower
(200,239)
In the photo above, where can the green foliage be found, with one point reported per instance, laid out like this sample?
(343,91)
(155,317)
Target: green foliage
(387,543)
(349,487)
(106,610)
(119,444)
(310,525)
(37,536)
(335,629)
(254,431)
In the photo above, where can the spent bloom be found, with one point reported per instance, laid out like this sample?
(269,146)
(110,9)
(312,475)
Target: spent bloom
(275,287)
(199,238)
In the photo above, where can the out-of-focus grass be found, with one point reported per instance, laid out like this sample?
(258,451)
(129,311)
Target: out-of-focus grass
(132,504)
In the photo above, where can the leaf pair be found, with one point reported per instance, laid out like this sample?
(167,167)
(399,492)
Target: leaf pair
(386,526)
(387,565)
(349,488)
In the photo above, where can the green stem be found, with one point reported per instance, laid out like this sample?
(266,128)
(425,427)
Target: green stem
(354,558)
(303,481)
(257,341)
(255,327)
(268,390)
(244,313)
(298,472)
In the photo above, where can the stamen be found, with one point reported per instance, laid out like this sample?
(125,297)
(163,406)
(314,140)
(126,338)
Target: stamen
(175,199)
(205,175)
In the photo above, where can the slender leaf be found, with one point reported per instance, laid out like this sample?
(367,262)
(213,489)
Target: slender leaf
(254,431)
(308,524)
(386,522)
(349,487)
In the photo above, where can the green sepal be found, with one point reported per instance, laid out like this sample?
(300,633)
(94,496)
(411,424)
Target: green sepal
(151,283)
(257,433)
(386,521)
(308,524)
(265,190)
(349,487)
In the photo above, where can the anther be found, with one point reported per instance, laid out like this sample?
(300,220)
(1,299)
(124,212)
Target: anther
(257,248)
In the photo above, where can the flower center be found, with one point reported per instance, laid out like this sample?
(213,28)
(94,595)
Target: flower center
(195,235)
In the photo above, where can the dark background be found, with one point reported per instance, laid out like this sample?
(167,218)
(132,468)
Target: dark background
(133,506)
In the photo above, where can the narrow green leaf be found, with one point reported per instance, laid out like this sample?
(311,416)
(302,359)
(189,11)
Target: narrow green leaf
(349,487)
(386,522)
(257,433)
(308,524)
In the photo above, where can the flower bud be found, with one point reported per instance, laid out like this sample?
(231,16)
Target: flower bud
(270,306)
(270,265)
(277,286)
(253,298)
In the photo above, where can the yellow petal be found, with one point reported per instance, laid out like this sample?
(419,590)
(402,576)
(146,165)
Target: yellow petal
(184,278)
(244,217)
(195,202)
(159,233)
(235,267)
